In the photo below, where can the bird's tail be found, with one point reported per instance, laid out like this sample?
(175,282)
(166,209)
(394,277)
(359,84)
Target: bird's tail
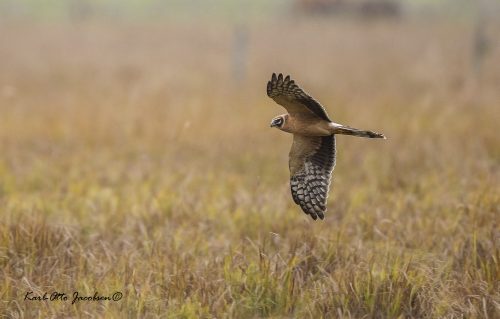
(346,130)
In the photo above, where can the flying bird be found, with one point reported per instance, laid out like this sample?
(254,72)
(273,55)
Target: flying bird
(312,156)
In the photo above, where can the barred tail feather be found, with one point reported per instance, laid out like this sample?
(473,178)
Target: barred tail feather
(346,130)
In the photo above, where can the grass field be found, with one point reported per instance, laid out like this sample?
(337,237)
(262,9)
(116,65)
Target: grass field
(132,161)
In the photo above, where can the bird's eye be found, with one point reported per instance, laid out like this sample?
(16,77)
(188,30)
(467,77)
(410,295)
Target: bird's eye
(279,121)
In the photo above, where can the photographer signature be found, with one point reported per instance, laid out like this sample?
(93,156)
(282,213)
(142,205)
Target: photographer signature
(75,297)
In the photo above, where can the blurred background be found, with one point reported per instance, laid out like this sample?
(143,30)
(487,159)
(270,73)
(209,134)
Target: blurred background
(191,63)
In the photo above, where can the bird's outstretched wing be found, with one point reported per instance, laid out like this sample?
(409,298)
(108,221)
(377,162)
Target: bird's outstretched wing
(311,162)
(297,102)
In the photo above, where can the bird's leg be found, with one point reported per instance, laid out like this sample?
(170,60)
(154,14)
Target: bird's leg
(346,130)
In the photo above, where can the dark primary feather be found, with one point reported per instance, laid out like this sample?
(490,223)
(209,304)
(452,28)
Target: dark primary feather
(289,95)
(310,181)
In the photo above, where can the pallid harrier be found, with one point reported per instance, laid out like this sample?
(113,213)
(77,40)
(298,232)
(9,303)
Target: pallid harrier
(312,156)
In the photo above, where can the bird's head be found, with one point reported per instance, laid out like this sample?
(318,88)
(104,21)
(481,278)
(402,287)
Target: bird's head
(279,121)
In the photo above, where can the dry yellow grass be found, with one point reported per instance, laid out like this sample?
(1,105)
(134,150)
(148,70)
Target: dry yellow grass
(130,161)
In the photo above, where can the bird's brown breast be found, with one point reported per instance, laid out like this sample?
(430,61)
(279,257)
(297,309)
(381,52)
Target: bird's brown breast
(307,126)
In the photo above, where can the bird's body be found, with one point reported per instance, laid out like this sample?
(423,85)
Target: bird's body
(312,156)
(307,126)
